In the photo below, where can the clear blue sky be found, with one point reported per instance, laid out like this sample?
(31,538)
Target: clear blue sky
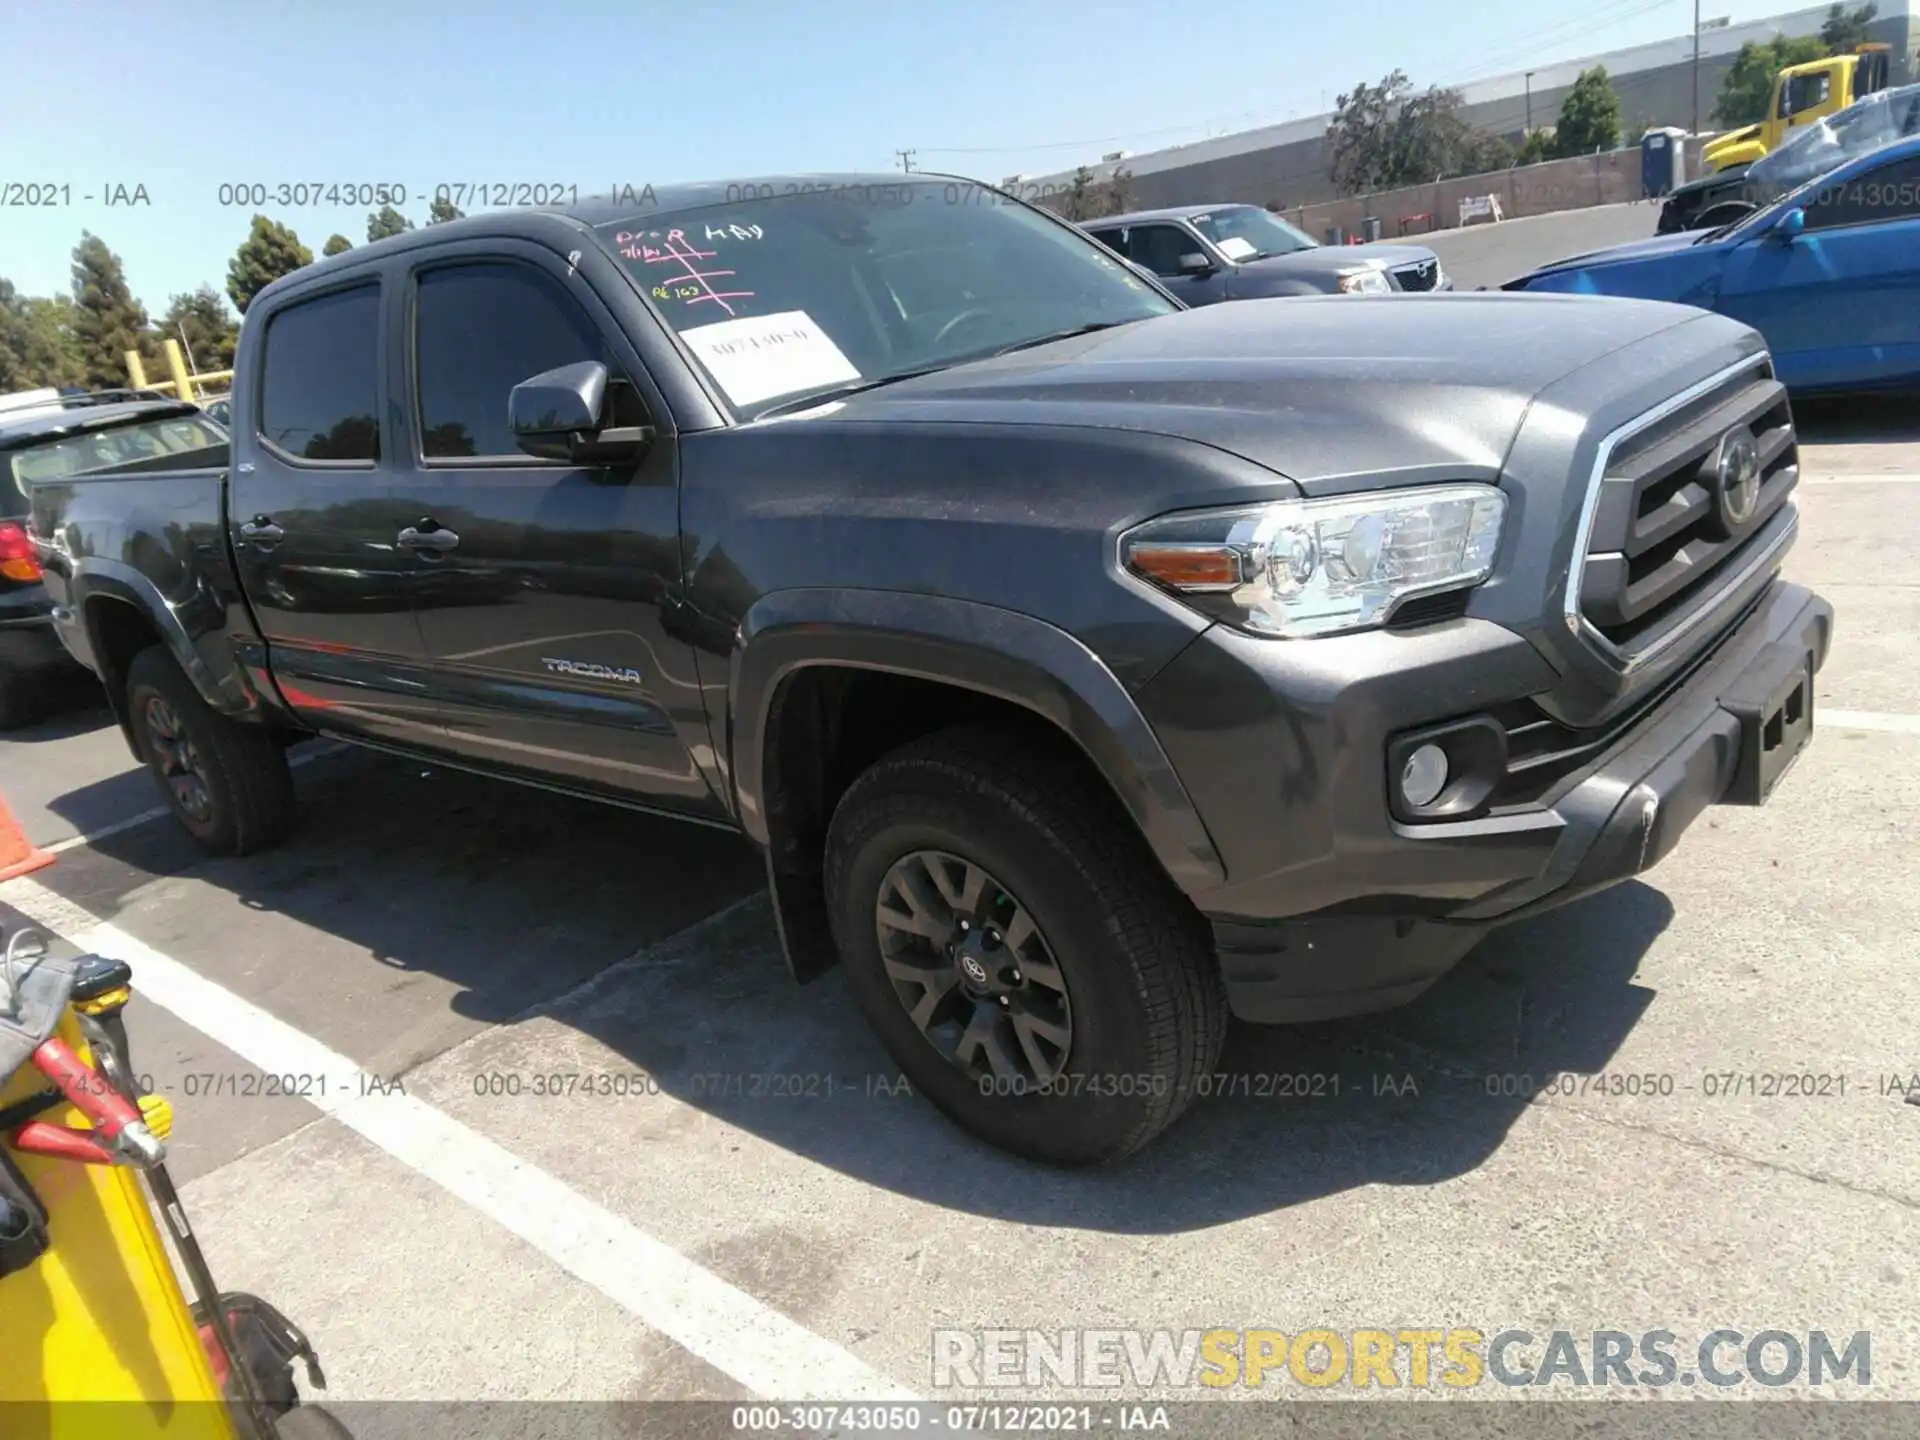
(181,98)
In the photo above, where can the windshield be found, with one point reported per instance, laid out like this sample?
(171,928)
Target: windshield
(104,449)
(1246,232)
(1812,152)
(818,289)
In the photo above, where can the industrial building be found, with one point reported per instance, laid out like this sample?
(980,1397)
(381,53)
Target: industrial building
(1287,165)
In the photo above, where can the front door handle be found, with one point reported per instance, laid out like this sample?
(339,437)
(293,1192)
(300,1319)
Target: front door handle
(435,541)
(262,531)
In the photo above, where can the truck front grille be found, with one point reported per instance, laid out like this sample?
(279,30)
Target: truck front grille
(1658,533)
(1421,275)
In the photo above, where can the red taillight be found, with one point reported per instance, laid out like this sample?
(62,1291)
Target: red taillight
(18,559)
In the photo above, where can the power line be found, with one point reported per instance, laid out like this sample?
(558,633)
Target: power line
(1573,29)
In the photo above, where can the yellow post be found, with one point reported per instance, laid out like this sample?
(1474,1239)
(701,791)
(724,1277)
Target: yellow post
(136,371)
(176,363)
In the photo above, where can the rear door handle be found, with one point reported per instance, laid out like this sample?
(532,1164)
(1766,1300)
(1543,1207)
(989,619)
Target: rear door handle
(435,541)
(262,531)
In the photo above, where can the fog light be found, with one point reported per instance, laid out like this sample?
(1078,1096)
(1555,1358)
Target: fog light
(1424,776)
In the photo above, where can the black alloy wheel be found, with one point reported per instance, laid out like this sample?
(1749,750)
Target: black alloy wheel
(974,972)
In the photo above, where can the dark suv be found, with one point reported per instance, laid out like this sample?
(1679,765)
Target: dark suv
(1207,253)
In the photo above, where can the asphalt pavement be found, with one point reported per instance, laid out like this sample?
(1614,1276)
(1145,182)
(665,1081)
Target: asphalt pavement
(1490,255)
(506,1097)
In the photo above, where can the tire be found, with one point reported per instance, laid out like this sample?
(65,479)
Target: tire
(227,783)
(1145,1009)
(310,1422)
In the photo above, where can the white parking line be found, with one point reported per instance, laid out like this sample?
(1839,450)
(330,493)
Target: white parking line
(1868,720)
(161,812)
(773,1356)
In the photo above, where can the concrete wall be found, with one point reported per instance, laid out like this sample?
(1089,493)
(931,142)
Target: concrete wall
(1287,164)
(1607,179)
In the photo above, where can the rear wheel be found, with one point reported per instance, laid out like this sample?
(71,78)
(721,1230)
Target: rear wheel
(226,782)
(1019,951)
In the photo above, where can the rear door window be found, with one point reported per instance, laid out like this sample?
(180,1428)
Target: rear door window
(320,388)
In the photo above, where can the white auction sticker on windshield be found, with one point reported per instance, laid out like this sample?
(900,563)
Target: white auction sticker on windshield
(760,356)
(1234,248)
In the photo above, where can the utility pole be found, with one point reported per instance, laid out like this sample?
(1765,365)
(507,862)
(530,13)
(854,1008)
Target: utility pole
(1696,67)
(906,156)
(1529,102)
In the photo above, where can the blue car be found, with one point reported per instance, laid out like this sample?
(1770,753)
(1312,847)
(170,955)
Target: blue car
(1829,273)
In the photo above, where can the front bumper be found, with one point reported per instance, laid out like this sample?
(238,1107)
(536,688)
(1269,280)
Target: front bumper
(1331,906)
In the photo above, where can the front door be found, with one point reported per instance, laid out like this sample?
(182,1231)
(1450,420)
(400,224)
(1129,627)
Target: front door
(312,518)
(540,585)
(1840,304)
(1160,245)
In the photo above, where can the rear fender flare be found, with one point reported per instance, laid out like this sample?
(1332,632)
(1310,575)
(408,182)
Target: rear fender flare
(97,578)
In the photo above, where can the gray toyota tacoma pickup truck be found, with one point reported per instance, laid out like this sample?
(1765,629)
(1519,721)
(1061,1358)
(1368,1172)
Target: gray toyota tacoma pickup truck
(1088,669)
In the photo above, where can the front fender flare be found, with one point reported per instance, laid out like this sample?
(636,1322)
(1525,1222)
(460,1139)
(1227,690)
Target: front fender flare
(981,647)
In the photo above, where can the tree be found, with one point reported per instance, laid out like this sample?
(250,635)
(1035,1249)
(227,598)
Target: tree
(51,353)
(386,221)
(1386,135)
(204,325)
(336,245)
(269,251)
(1119,188)
(1747,89)
(443,210)
(1078,204)
(1491,152)
(107,320)
(1358,139)
(1589,116)
(1536,149)
(1845,29)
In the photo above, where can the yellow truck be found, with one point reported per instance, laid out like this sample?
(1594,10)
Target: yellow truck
(1801,95)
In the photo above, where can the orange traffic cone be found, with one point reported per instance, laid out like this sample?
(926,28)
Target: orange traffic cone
(18,855)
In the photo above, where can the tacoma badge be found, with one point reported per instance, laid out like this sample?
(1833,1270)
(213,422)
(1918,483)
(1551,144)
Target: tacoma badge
(589,671)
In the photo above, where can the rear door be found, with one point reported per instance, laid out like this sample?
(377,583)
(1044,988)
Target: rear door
(543,611)
(1840,305)
(313,518)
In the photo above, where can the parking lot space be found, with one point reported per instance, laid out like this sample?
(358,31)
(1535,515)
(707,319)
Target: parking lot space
(1491,255)
(502,1095)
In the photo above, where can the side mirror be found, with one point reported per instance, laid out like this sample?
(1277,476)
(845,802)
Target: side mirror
(1195,263)
(555,415)
(1789,226)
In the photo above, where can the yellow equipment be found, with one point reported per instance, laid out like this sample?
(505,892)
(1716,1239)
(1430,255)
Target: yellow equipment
(98,1338)
(1801,95)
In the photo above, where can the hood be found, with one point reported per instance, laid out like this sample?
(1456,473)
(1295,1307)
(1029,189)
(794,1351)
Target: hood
(1727,179)
(1319,389)
(1336,259)
(1741,136)
(1632,250)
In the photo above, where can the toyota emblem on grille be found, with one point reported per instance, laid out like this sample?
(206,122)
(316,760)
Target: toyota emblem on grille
(1736,478)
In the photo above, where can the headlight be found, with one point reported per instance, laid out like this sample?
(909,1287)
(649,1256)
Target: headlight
(1365,282)
(1300,568)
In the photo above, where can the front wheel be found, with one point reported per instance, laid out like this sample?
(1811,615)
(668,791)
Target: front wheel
(226,782)
(1017,948)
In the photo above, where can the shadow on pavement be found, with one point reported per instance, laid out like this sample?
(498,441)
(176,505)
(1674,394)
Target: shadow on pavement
(528,903)
(65,703)
(1858,419)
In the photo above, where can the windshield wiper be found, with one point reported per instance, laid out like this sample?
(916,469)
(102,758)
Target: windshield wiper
(1039,340)
(840,392)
